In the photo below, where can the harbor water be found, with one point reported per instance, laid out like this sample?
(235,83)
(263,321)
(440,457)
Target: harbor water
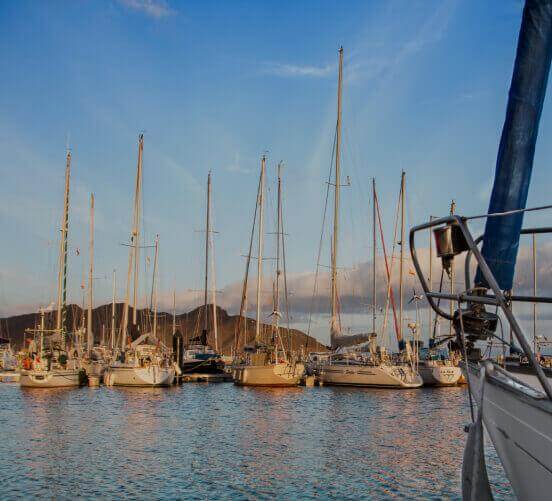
(220,441)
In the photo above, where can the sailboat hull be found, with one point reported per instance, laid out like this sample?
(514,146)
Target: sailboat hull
(518,419)
(439,375)
(282,374)
(139,376)
(50,379)
(382,376)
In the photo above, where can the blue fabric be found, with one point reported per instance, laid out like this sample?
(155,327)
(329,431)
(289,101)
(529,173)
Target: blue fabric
(517,144)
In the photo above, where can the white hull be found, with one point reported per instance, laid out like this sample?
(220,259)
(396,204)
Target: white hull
(518,419)
(282,374)
(57,378)
(139,376)
(9,377)
(379,376)
(439,375)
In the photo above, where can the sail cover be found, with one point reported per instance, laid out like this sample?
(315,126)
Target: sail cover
(517,144)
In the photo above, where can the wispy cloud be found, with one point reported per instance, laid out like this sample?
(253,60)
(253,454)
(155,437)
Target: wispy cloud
(237,167)
(293,70)
(152,8)
(382,59)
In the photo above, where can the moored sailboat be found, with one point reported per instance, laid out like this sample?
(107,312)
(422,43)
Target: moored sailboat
(49,363)
(268,362)
(357,367)
(199,358)
(144,361)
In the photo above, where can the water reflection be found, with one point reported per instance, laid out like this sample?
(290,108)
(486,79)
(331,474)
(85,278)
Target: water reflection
(228,442)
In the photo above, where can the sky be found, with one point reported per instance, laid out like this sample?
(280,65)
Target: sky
(214,86)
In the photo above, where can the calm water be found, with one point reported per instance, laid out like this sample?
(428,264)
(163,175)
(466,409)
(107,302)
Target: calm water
(221,441)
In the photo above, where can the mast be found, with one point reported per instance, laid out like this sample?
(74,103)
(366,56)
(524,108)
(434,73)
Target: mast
(335,327)
(534,293)
(207,241)
(62,273)
(451,304)
(374,255)
(213,274)
(136,229)
(113,310)
(401,264)
(260,252)
(279,239)
(154,285)
(430,316)
(90,335)
(133,247)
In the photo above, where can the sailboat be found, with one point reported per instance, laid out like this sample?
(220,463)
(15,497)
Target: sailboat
(437,365)
(198,356)
(268,362)
(49,364)
(144,361)
(516,411)
(94,359)
(8,362)
(356,367)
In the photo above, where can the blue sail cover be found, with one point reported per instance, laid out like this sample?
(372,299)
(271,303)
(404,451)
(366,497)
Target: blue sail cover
(517,144)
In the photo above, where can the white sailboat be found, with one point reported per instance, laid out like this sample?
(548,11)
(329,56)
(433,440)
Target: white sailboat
(144,361)
(49,363)
(437,366)
(357,368)
(9,372)
(268,364)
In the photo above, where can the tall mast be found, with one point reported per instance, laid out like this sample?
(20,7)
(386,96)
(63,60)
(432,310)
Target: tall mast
(62,273)
(260,251)
(113,310)
(207,240)
(335,326)
(429,312)
(374,255)
(534,293)
(276,312)
(211,243)
(401,264)
(90,335)
(451,304)
(154,285)
(136,229)
(133,247)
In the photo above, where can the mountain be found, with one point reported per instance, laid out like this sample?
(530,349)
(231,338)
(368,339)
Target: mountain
(190,324)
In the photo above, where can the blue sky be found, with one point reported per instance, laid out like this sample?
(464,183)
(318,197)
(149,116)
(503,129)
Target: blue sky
(215,84)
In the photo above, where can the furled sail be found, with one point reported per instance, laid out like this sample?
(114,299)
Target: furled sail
(517,144)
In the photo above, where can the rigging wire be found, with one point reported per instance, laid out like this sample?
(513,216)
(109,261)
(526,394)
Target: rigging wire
(321,241)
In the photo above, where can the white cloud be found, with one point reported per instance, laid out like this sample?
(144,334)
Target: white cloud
(293,70)
(152,8)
